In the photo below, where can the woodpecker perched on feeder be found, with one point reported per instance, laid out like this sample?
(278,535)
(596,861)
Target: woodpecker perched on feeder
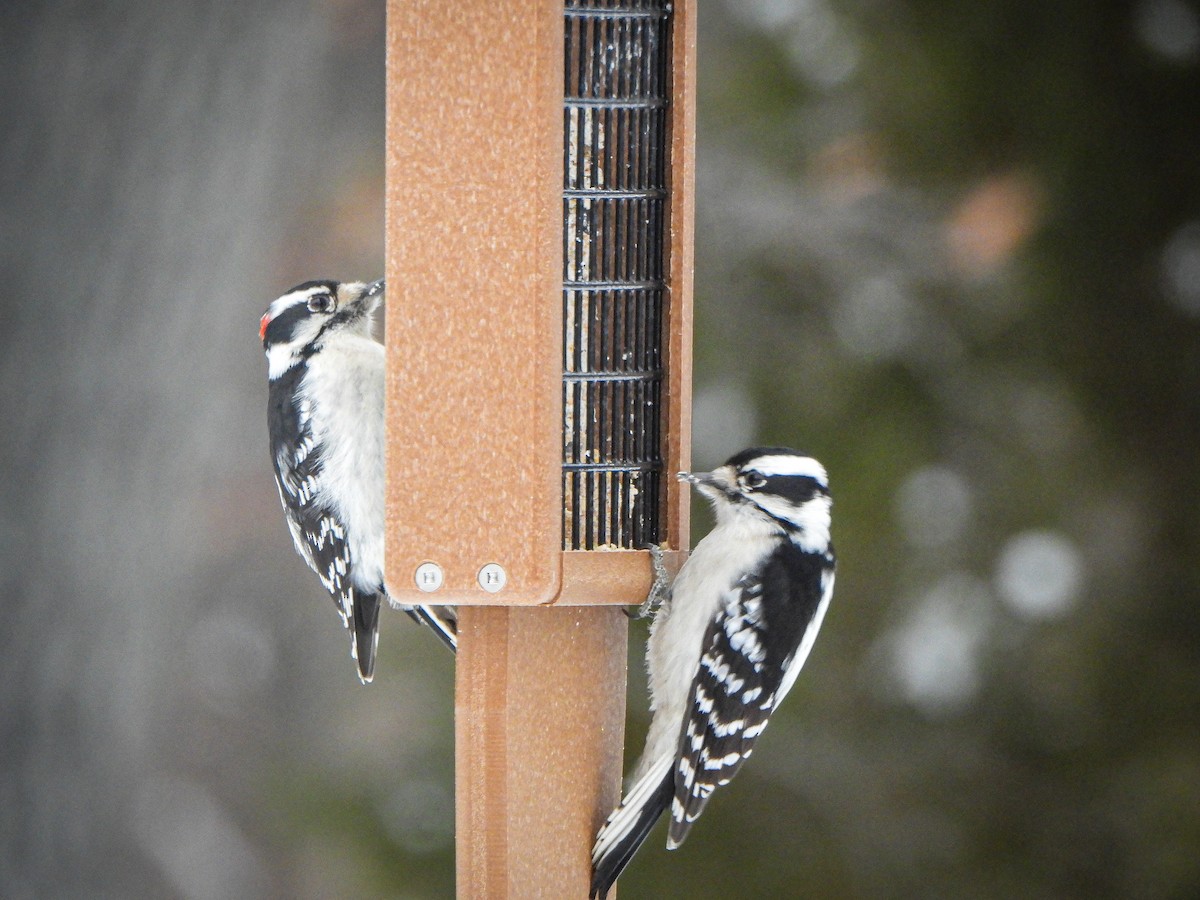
(727,642)
(325,421)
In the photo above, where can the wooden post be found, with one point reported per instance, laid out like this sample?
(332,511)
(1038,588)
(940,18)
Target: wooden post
(539,713)
(475,261)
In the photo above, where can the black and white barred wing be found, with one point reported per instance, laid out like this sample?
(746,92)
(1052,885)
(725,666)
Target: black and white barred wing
(319,537)
(751,654)
(732,696)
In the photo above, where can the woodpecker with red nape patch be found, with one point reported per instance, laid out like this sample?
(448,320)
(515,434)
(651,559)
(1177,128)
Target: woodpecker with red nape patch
(326,427)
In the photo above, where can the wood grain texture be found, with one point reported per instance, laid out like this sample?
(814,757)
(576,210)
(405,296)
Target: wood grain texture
(474,262)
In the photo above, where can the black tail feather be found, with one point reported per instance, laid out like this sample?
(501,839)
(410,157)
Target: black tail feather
(609,867)
(441,619)
(366,633)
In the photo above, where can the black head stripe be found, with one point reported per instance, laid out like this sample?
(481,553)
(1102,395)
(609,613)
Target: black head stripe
(281,329)
(740,459)
(330,286)
(796,489)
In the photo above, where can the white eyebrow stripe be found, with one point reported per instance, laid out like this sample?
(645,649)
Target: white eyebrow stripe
(791,465)
(295,298)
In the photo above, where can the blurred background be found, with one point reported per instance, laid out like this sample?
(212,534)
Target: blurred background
(951,249)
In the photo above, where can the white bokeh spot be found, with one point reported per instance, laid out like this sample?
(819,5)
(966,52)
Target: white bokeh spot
(934,657)
(1040,574)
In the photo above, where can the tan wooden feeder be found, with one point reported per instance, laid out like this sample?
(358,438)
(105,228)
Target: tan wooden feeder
(539,260)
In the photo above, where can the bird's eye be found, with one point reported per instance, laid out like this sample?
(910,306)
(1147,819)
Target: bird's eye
(753,480)
(321,303)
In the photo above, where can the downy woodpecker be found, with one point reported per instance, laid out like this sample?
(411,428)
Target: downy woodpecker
(325,421)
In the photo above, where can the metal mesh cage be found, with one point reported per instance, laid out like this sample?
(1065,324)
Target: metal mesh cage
(614,228)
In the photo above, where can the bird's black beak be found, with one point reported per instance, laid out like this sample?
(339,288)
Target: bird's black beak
(375,287)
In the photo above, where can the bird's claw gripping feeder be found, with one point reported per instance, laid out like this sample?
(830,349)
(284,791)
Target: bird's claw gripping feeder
(539,258)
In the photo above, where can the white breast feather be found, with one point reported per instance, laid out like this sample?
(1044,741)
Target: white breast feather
(345,384)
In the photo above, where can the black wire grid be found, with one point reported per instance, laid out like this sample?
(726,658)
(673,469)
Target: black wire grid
(614,228)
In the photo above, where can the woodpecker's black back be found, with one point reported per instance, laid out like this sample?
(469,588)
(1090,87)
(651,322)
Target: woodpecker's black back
(283,421)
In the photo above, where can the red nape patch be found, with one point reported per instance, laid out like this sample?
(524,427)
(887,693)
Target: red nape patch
(262,326)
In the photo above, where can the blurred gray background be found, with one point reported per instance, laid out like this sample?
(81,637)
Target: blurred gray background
(952,249)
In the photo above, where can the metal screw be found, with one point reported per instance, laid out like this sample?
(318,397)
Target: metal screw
(428,577)
(492,577)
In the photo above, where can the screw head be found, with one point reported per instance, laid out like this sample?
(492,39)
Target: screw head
(428,577)
(492,577)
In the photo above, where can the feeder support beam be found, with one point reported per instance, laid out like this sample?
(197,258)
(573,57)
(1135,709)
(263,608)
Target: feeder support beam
(475,424)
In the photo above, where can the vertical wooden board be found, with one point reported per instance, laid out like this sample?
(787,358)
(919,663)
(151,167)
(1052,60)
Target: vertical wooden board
(539,724)
(481,753)
(474,258)
(681,175)
(568,743)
